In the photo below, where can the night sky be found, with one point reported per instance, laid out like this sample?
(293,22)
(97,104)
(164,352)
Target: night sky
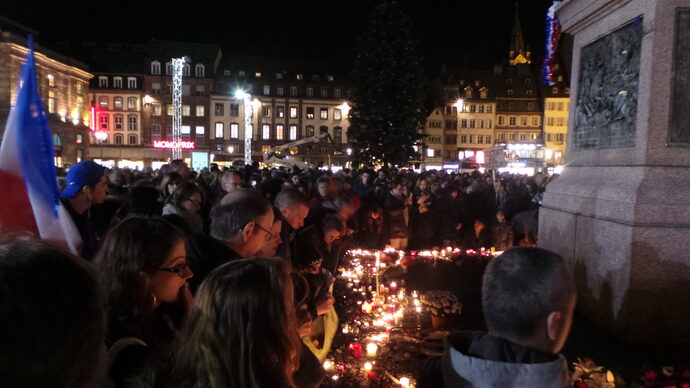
(457,33)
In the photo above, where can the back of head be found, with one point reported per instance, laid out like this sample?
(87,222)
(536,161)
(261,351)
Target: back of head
(184,192)
(243,312)
(521,288)
(235,210)
(143,200)
(291,198)
(52,324)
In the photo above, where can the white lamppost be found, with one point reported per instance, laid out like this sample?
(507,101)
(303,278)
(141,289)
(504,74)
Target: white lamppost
(101,136)
(248,132)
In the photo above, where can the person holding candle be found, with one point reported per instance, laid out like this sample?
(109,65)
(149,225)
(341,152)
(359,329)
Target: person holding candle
(242,332)
(396,206)
(144,273)
(528,297)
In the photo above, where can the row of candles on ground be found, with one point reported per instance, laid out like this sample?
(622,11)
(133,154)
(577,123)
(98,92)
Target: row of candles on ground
(381,309)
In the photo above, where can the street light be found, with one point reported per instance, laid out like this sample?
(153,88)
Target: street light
(459,104)
(101,136)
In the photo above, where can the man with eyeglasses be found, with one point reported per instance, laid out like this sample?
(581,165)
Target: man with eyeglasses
(240,224)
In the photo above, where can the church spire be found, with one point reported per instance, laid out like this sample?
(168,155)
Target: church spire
(518,54)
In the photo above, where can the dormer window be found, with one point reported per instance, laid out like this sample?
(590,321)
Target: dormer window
(330,78)
(168,68)
(257,74)
(155,67)
(102,82)
(199,70)
(300,77)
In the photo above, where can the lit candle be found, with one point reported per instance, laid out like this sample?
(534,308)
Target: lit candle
(404,382)
(367,307)
(394,286)
(327,365)
(372,348)
(368,367)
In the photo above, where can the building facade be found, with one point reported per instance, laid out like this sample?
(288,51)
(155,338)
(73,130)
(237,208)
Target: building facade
(290,102)
(431,153)
(63,84)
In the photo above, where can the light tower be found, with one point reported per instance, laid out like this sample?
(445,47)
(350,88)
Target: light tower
(248,132)
(178,71)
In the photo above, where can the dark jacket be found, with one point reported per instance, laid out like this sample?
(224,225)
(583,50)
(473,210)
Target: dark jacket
(310,372)
(287,244)
(88,228)
(205,254)
(367,192)
(471,241)
(395,219)
(478,360)
(502,235)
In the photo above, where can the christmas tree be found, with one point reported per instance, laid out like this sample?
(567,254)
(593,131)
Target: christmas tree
(388,96)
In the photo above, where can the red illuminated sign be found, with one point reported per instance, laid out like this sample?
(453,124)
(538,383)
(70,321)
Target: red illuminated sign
(169,144)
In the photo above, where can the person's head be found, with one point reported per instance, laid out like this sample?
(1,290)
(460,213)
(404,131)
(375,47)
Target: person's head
(243,220)
(332,228)
(293,207)
(423,184)
(501,216)
(346,207)
(479,224)
(86,182)
(231,180)
(539,178)
(187,196)
(180,167)
(169,183)
(295,179)
(271,244)
(322,186)
(242,331)
(398,188)
(381,175)
(52,321)
(528,297)
(143,201)
(366,177)
(142,263)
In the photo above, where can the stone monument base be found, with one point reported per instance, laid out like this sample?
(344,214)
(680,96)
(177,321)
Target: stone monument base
(625,232)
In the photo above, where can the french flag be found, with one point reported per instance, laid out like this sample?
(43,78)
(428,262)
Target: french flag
(28,184)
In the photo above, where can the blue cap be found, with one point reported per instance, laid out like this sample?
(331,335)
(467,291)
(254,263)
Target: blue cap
(86,172)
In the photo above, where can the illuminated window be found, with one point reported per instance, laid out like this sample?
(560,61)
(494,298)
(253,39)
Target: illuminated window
(300,77)
(430,153)
(293,132)
(200,111)
(200,89)
(117,102)
(234,130)
(51,80)
(200,130)
(80,88)
(280,132)
(480,139)
(186,110)
(280,111)
(132,122)
(169,109)
(337,114)
(132,103)
(324,113)
(488,124)
(219,109)
(267,90)
(80,139)
(185,129)
(51,101)
(293,112)
(118,122)
(103,121)
(310,112)
(266,111)
(257,74)
(219,130)
(155,67)
(265,131)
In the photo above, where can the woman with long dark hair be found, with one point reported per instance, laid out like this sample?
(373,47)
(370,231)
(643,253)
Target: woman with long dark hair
(144,273)
(242,332)
(186,202)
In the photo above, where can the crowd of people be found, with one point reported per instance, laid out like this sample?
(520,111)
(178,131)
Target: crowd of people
(224,278)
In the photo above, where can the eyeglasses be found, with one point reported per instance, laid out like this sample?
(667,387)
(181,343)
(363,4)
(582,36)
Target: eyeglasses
(180,269)
(270,235)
